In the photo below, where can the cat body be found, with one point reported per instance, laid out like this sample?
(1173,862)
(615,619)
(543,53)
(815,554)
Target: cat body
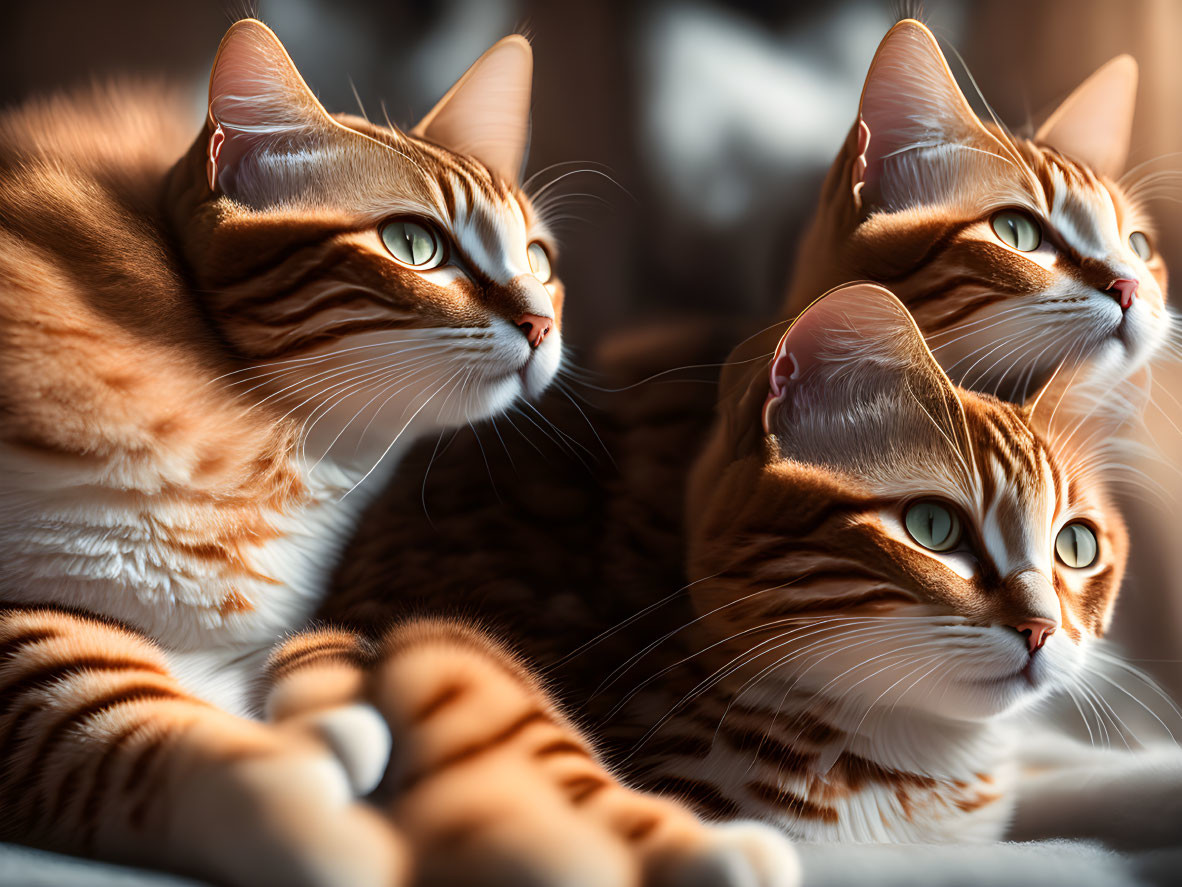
(212,353)
(689,695)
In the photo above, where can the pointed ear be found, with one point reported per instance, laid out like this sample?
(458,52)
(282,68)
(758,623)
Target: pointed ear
(910,100)
(256,98)
(486,113)
(1095,123)
(852,376)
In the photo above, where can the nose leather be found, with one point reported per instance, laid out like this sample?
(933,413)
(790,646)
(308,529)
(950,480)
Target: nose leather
(1028,604)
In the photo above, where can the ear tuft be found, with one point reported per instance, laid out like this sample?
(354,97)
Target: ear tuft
(256,95)
(850,331)
(486,113)
(910,100)
(1095,123)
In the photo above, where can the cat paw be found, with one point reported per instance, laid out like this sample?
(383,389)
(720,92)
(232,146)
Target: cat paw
(360,739)
(290,819)
(738,854)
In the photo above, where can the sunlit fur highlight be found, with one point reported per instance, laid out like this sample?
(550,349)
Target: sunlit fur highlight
(872,676)
(999,320)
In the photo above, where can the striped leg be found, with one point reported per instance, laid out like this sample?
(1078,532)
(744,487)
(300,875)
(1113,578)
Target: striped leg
(103,753)
(492,785)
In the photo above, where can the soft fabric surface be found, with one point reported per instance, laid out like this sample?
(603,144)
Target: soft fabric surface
(1047,863)
(22,867)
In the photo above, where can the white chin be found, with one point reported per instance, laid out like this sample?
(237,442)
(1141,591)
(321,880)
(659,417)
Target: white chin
(496,395)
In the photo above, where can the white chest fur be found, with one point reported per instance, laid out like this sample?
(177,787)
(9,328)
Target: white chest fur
(68,539)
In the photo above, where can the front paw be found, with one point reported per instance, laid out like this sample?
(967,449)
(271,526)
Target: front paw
(745,853)
(288,818)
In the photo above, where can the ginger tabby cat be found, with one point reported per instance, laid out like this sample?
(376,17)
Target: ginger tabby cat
(206,366)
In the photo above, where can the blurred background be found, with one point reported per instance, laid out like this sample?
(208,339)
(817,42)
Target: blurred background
(688,140)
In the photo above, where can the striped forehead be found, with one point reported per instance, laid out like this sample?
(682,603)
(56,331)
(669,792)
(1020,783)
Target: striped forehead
(1082,211)
(489,226)
(1019,505)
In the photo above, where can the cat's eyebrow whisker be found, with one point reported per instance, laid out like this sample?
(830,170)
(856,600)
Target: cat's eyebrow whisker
(537,195)
(1130,174)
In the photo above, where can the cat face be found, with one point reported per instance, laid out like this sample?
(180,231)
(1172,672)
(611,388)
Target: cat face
(867,531)
(371,279)
(1013,255)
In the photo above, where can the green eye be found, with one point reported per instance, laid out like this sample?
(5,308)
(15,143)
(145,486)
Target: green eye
(1076,546)
(412,244)
(932,525)
(539,262)
(1018,230)
(1139,243)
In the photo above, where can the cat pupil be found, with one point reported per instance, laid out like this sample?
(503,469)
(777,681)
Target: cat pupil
(1140,245)
(932,526)
(410,243)
(1076,546)
(1017,230)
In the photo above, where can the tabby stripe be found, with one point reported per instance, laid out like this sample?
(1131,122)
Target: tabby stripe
(11,691)
(14,720)
(274,262)
(934,251)
(681,745)
(11,647)
(561,747)
(476,749)
(817,606)
(792,803)
(319,306)
(98,779)
(704,797)
(808,726)
(767,747)
(333,651)
(143,772)
(642,829)
(975,304)
(441,700)
(261,295)
(944,288)
(449,195)
(331,334)
(582,788)
(55,734)
(294,651)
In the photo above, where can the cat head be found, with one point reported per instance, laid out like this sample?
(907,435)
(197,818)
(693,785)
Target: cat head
(370,278)
(862,528)
(1014,255)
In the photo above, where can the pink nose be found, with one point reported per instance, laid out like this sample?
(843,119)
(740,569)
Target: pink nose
(1036,630)
(1125,289)
(535,327)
